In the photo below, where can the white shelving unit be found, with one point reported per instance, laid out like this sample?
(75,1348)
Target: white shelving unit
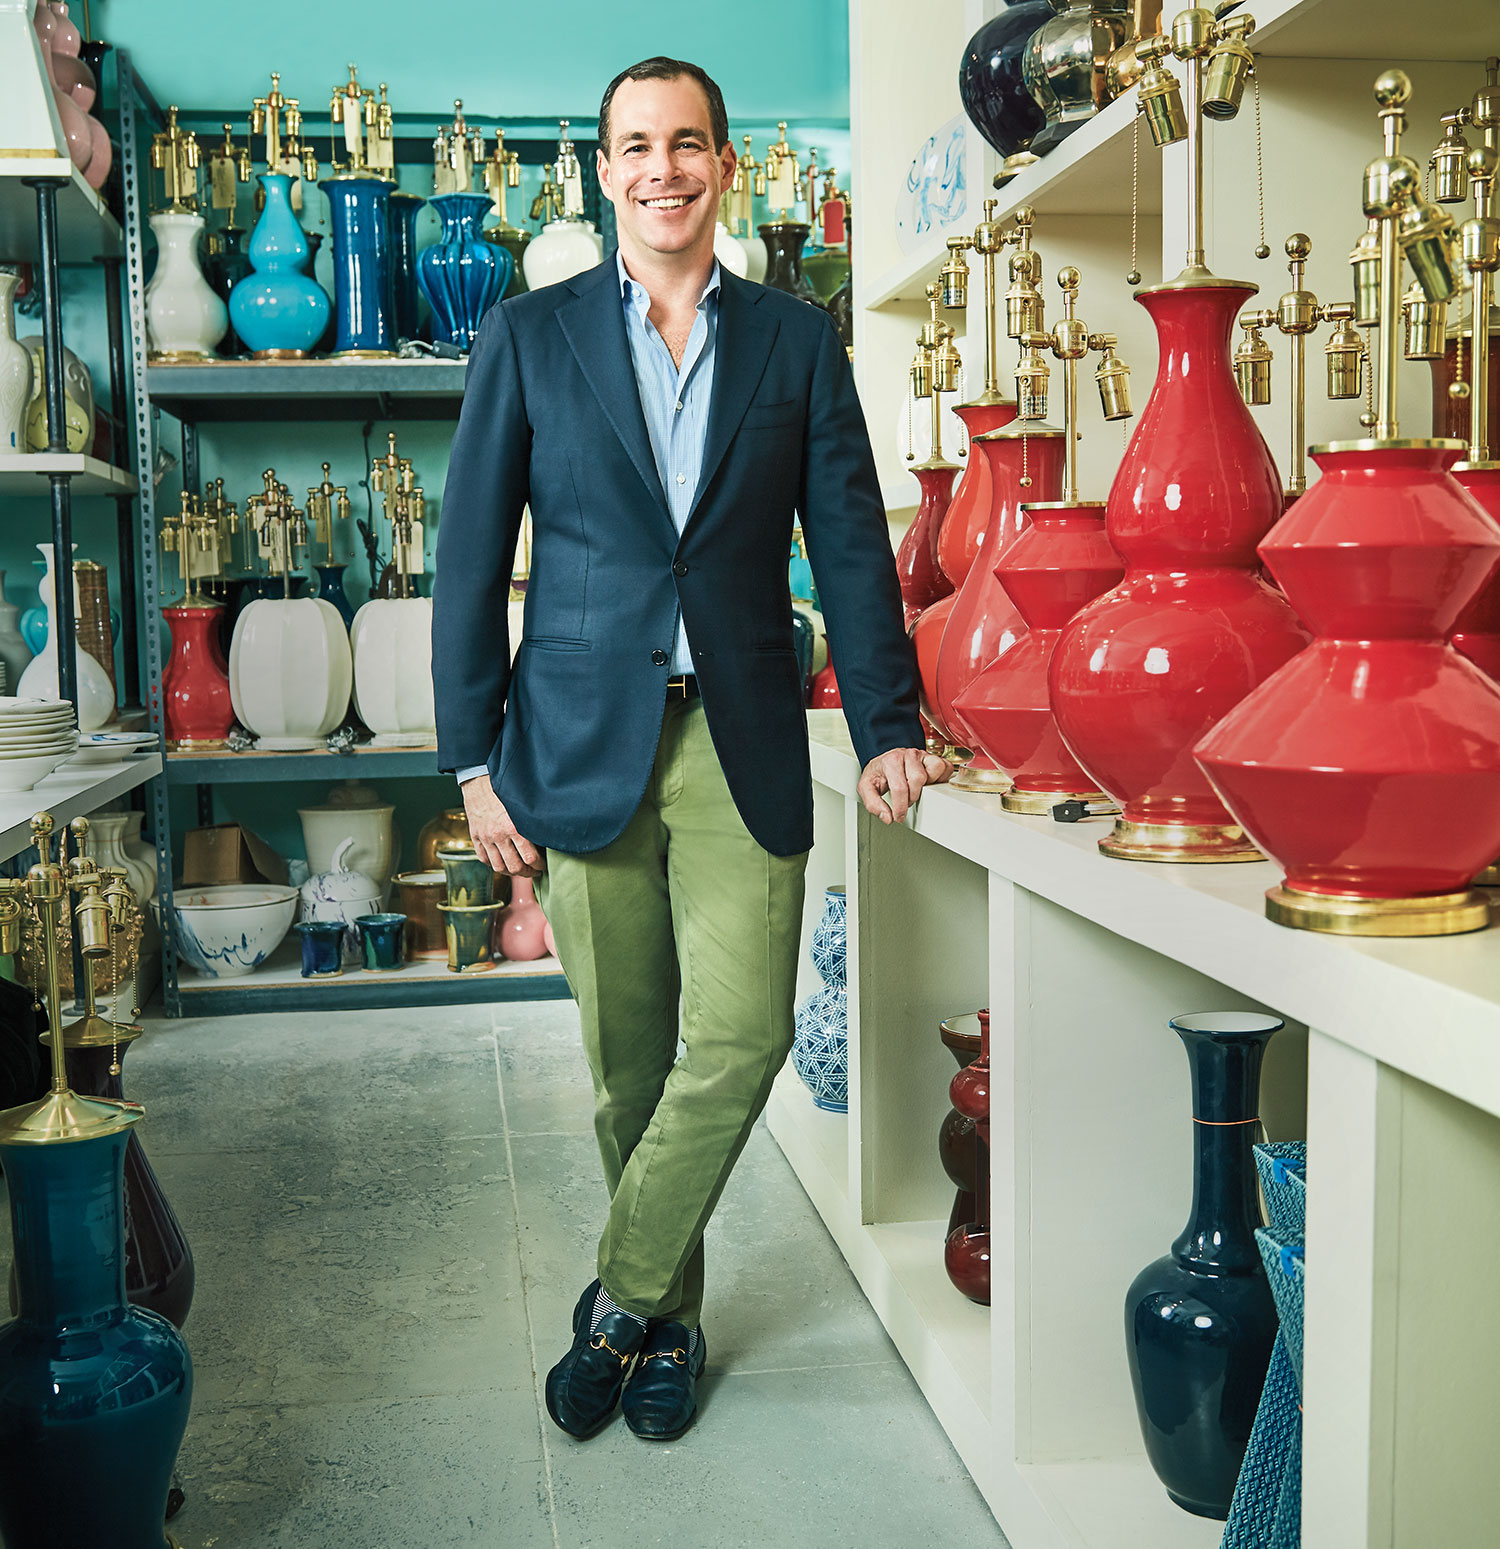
(67,793)
(1390,1064)
(26,473)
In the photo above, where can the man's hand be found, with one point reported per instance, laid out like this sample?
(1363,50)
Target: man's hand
(900,775)
(495,836)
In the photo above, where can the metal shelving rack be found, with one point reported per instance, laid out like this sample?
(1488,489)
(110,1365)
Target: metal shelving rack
(270,392)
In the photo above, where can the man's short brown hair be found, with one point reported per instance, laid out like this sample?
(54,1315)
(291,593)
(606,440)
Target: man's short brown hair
(660,68)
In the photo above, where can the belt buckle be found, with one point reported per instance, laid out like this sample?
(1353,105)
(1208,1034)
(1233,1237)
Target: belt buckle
(678,686)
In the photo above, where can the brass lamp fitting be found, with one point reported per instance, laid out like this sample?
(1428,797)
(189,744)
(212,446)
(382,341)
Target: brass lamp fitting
(1230,63)
(1252,360)
(352,106)
(1365,261)
(502,173)
(568,175)
(1344,354)
(175,154)
(783,181)
(1112,377)
(279,119)
(955,275)
(280,528)
(1449,162)
(327,503)
(1160,94)
(1024,306)
(1031,386)
(1480,237)
(1426,325)
(456,151)
(936,368)
(406,510)
(228,166)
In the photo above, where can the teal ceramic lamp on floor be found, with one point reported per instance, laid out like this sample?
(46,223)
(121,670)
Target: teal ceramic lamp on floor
(94,1393)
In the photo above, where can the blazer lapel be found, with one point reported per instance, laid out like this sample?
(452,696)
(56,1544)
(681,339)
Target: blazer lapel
(741,349)
(594,326)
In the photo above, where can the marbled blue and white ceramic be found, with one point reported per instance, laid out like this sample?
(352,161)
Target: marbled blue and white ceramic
(225,932)
(462,275)
(362,299)
(935,193)
(279,309)
(820,1047)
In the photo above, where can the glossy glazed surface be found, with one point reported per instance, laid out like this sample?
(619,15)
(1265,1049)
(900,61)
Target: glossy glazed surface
(927,638)
(966,1254)
(962,533)
(1368,764)
(922,580)
(1200,1321)
(1062,561)
(462,275)
(984,621)
(402,210)
(195,682)
(358,210)
(1145,670)
(278,307)
(1477,632)
(990,84)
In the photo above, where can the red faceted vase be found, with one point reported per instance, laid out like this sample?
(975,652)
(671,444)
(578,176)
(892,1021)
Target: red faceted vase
(1477,633)
(1058,564)
(966,1254)
(984,621)
(926,632)
(962,533)
(922,581)
(1368,767)
(195,684)
(1145,670)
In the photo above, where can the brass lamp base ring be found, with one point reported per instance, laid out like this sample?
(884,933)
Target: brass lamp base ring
(1039,804)
(179,357)
(1182,843)
(991,781)
(1343,914)
(195,744)
(1489,877)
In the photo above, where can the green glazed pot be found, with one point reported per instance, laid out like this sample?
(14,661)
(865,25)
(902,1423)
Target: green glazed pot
(469,929)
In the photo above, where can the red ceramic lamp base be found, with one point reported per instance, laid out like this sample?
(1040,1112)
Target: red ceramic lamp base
(1343,914)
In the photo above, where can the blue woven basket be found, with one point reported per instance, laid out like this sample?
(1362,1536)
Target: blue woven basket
(1282,1254)
(1282,1165)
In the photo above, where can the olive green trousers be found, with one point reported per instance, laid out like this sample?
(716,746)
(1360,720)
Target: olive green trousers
(683,909)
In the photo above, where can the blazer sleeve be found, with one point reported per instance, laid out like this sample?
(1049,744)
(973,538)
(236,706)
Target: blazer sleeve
(485,495)
(848,544)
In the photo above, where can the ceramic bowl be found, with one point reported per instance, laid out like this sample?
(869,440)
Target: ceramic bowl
(103,747)
(227,931)
(20,774)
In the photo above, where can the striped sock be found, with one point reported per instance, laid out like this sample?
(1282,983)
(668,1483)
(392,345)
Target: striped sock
(604,1305)
(692,1344)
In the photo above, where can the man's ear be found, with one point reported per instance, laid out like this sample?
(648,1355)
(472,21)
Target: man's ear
(601,166)
(728,161)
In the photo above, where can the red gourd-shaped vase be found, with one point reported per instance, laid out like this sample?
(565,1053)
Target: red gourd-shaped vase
(1477,633)
(1367,766)
(966,1254)
(195,684)
(1144,671)
(823,691)
(1061,562)
(922,581)
(984,621)
(962,533)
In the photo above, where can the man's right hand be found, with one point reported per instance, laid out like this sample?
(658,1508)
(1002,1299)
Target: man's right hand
(494,835)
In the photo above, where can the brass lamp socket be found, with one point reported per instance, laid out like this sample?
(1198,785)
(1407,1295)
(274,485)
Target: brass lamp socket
(1345,356)
(1252,368)
(1365,260)
(1426,326)
(1031,387)
(1224,80)
(1425,234)
(1160,98)
(1113,379)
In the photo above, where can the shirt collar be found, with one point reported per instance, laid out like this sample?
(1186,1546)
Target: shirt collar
(632,293)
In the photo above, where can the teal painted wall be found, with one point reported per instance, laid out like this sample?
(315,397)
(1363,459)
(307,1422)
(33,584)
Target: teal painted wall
(525,65)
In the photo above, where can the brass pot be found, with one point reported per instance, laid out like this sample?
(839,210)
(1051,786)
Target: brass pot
(420,893)
(449,827)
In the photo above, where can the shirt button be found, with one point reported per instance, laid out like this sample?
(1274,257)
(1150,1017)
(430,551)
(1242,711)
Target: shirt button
(679,568)
(659,658)
(678,407)
(682,478)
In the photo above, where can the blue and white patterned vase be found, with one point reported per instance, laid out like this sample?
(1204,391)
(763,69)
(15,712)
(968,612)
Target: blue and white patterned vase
(820,1049)
(359,209)
(462,275)
(279,310)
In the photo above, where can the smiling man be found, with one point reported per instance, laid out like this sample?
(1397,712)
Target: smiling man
(647,757)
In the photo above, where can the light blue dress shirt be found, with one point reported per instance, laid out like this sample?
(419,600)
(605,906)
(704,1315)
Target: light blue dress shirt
(675,402)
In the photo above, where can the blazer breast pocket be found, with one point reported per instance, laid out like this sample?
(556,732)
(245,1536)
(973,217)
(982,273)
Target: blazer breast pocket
(771,416)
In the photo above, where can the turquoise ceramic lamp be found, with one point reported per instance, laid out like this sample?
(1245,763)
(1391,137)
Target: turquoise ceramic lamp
(278,311)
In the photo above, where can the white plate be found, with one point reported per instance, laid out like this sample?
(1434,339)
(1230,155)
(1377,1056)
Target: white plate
(21,746)
(933,195)
(117,739)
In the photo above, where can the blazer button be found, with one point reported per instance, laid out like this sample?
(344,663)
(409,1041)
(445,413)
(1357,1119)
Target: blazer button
(659,658)
(679,568)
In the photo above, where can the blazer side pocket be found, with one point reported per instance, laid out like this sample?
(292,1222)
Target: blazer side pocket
(556,643)
(768,416)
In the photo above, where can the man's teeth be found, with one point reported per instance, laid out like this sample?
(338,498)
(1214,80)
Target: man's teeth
(664,204)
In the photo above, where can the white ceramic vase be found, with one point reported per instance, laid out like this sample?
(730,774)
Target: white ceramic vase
(730,252)
(105,846)
(15,371)
(290,671)
(15,654)
(755,258)
(371,830)
(561,250)
(96,694)
(78,399)
(140,857)
(391,639)
(184,318)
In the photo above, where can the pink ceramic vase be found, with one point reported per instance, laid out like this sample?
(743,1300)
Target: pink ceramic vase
(521,927)
(75,122)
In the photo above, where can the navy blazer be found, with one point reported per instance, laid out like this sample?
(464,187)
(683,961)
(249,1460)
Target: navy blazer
(552,417)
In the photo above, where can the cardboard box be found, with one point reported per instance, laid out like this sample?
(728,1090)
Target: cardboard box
(226,854)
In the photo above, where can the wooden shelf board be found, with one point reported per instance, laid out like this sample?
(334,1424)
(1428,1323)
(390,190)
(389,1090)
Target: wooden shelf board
(26,473)
(225,768)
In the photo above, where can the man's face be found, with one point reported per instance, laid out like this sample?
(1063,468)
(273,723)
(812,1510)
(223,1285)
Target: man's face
(661,170)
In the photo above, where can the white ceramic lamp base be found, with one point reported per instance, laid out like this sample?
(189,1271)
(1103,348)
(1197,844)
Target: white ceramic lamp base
(391,641)
(290,672)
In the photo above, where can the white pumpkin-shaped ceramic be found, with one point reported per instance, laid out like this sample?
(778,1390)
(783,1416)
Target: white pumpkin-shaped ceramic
(184,317)
(391,639)
(729,251)
(561,250)
(289,671)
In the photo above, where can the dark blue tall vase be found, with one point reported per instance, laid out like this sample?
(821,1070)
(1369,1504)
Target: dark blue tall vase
(358,208)
(404,209)
(1200,1323)
(331,589)
(462,275)
(997,100)
(94,1393)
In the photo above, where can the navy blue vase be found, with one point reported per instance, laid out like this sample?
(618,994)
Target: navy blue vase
(331,589)
(358,208)
(462,275)
(1200,1323)
(404,209)
(990,86)
(94,1393)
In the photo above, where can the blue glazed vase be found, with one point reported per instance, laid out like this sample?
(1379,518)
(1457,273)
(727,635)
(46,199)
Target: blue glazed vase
(331,589)
(820,1047)
(990,84)
(322,947)
(94,1393)
(462,275)
(279,310)
(359,209)
(403,211)
(1200,1322)
(381,938)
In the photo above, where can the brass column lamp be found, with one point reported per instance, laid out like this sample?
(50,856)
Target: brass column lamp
(278,119)
(175,154)
(193,535)
(406,511)
(353,108)
(280,529)
(989,240)
(502,176)
(1297,314)
(456,151)
(937,368)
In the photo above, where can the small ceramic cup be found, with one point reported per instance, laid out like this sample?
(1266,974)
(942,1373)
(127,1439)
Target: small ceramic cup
(471,883)
(381,940)
(322,946)
(470,930)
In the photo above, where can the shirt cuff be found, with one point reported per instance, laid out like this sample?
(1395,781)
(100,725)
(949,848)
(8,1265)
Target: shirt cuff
(461,775)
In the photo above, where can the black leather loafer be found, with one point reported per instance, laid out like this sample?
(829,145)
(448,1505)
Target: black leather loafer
(661,1398)
(584,1387)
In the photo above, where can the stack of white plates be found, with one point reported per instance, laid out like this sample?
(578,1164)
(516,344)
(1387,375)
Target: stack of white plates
(36,735)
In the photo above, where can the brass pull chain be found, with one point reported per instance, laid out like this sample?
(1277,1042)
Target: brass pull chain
(1367,419)
(1134,277)
(1025,476)
(1262,248)
(911,455)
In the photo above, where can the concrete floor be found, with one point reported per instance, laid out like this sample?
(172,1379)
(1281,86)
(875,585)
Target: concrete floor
(392,1215)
